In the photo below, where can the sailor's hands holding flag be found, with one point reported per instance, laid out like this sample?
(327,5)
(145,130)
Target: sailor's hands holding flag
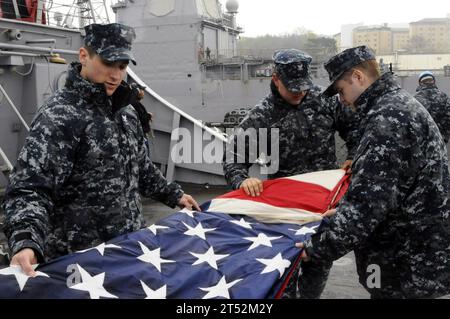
(304,256)
(187,201)
(252,186)
(25,258)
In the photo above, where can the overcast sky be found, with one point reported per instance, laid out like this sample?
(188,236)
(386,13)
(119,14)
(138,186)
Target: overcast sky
(260,17)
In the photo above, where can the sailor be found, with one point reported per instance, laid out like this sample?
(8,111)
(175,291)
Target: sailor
(435,101)
(396,213)
(80,176)
(306,124)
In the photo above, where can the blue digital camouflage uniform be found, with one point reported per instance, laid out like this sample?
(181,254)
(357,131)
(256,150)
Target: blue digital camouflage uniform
(306,143)
(437,104)
(340,63)
(396,213)
(79,178)
(111,42)
(306,131)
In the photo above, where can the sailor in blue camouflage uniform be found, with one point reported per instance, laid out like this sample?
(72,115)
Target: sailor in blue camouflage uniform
(396,214)
(307,124)
(435,101)
(80,176)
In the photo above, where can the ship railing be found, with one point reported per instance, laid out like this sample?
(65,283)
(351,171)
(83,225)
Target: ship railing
(177,116)
(226,21)
(7,166)
(169,165)
(196,122)
(229,56)
(131,73)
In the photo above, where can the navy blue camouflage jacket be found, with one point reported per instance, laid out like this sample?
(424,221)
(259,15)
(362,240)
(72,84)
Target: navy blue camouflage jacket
(396,213)
(306,135)
(437,104)
(79,178)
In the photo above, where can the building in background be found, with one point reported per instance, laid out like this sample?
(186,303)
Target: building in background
(431,35)
(400,39)
(426,36)
(346,35)
(378,38)
(337,39)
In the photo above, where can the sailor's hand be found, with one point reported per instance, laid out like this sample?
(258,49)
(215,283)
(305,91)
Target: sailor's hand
(303,256)
(329,213)
(25,258)
(187,201)
(347,166)
(252,186)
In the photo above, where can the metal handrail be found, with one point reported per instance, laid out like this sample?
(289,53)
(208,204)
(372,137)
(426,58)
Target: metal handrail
(5,159)
(36,49)
(196,122)
(11,103)
(131,73)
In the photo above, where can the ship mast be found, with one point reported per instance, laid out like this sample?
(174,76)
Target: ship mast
(84,12)
(92,11)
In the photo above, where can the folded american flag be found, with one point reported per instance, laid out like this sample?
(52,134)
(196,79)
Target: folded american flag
(237,247)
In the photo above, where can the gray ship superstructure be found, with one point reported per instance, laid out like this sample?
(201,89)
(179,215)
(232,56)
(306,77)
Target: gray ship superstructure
(30,71)
(29,74)
(188,61)
(188,52)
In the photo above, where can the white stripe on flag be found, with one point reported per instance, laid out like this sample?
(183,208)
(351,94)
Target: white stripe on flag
(263,212)
(328,179)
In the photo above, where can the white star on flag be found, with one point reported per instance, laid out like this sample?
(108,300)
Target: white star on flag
(262,239)
(208,257)
(161,293)
(188,212)
(154,228)
(304,230)
(219,290)
(93,285)
(242,223)
(276,263)
(100,248)
(153,257)
(197,230)
(21,277)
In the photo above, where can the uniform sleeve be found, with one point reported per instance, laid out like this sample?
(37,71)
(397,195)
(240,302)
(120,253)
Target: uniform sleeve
(44,164)
(445,129)
(419,97)
(152,183)
(238,153)
(373,194)
(346,124)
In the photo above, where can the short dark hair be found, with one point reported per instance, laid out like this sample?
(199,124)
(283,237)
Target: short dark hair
(90,51)
(369,67)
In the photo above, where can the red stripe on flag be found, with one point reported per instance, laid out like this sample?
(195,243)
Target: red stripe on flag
(288,193)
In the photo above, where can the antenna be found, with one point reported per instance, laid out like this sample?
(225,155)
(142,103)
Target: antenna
(87,12)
